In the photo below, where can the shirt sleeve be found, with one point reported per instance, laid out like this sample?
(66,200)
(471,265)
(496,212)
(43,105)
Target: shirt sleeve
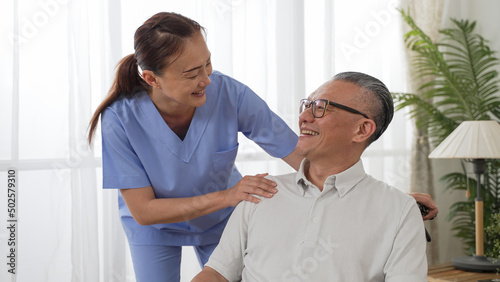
(122,167)
(407,260)
(227,258)
(260,124)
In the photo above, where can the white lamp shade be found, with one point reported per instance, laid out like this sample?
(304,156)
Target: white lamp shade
(478,139)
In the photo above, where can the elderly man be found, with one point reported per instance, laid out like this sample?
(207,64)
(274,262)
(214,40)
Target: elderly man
(330,221)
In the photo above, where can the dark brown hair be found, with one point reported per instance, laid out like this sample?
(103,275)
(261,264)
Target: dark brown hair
(156,43)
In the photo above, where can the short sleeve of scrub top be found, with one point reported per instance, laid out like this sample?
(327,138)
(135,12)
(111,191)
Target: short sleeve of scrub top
(139,150)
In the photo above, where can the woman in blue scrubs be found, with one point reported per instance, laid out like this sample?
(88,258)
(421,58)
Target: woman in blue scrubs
(170,138)
(169,141)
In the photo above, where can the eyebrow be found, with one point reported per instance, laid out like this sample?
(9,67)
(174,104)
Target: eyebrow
(198,67)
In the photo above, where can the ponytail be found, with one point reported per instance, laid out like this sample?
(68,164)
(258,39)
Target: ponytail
(155,42)
(127,82)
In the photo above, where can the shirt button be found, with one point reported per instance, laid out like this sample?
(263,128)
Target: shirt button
(314,219)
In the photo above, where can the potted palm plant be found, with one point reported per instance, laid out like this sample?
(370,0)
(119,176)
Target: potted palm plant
(462,84)
(493,234)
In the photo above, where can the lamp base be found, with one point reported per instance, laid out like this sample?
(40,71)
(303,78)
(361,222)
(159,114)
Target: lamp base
(475,264)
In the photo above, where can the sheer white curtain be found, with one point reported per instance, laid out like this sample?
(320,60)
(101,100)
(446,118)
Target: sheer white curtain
(57,62)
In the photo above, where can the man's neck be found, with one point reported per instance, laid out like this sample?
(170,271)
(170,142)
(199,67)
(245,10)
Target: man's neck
(317,173)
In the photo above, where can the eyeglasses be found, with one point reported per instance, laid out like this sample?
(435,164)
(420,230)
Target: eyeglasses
(319,107)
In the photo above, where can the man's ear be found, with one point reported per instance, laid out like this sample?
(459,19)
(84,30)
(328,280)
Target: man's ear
(151,79)
(365,129)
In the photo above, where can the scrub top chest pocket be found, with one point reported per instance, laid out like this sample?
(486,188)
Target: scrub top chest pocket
(224,166)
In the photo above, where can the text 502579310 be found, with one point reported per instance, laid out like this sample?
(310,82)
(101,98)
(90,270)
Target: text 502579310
(12,224)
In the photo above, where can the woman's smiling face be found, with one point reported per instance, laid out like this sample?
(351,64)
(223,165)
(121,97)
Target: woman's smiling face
(184,81)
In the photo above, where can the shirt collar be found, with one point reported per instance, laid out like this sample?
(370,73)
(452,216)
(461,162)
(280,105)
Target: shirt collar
(343,181)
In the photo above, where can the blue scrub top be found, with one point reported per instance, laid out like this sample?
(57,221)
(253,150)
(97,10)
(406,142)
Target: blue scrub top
(139,150)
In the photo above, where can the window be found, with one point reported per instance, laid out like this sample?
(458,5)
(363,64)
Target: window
(61,66)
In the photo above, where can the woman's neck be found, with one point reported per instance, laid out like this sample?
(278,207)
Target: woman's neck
(177,117)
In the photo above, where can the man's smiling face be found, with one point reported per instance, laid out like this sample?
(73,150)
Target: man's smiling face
(325,137)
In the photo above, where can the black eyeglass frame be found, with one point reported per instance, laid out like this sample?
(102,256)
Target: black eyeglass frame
(328,102)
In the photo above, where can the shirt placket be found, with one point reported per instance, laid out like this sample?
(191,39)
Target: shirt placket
(312,233)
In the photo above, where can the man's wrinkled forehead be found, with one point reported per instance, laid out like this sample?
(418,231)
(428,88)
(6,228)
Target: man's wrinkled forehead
(322,91)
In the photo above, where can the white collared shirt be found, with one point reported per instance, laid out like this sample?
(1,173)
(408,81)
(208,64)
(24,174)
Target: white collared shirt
(356,229)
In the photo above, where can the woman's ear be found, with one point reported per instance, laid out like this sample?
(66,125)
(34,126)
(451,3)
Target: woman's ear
(365,129)
(151,79)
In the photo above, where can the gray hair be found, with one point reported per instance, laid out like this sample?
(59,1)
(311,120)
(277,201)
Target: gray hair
(383,111)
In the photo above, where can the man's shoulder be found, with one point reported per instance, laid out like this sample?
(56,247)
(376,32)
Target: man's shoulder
(286,189)
(285,182)
(283,177)
(384,191)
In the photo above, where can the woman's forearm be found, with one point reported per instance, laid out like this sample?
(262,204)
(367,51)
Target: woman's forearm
(147,209)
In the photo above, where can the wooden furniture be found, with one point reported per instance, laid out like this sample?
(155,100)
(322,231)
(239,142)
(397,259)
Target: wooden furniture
(447,273)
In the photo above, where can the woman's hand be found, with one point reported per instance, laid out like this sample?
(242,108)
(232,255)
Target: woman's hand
(426,200)
(147,209)
(249,186)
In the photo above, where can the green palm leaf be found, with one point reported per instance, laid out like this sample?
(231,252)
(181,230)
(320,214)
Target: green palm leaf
(460,83)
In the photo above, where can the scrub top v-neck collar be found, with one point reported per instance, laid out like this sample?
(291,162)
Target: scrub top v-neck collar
(183,149)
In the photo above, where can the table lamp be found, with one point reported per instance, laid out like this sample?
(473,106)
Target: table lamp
(473,141)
